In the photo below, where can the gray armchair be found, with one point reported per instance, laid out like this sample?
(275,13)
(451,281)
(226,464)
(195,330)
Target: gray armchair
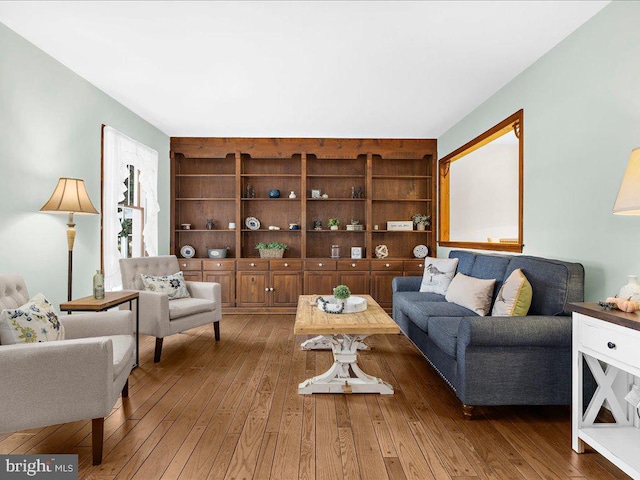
(62,381)
(161,317)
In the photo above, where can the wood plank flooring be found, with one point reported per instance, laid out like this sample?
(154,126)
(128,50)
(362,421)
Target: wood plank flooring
(230,410)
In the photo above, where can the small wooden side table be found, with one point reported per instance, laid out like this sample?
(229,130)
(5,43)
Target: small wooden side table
(110,300)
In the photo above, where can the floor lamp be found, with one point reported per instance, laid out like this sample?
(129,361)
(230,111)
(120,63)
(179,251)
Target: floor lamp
(70,196)
(628,200)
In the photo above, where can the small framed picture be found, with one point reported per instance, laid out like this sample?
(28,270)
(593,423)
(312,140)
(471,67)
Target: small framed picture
(316,194)
(356,252)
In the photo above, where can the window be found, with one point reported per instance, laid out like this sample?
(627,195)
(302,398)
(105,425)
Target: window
(129,203)
(481,185)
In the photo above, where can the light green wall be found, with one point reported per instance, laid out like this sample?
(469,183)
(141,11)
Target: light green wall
(581,120)
(50,127)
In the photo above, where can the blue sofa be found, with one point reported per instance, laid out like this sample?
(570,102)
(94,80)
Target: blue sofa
(497,360)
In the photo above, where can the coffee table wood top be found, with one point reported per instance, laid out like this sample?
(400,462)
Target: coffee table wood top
(310,320)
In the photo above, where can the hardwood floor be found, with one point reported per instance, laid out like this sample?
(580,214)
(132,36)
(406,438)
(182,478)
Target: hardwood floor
(230,410)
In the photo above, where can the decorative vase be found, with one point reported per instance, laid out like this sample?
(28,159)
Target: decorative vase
(274,193)
(631,289)
(333,227)
(421,226)
(292,194)
(98,285)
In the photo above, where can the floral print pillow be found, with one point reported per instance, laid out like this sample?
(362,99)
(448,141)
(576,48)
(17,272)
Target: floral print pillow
(36,321)
(172,285)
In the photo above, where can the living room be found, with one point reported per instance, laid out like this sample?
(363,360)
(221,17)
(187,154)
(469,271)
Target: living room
(578,101)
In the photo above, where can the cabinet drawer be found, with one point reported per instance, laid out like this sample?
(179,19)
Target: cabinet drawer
(284,265)
(218,265)
(353,265)
(253,264)
(319,264)
(390,265)
(618,343)
(189,264)
(414,266)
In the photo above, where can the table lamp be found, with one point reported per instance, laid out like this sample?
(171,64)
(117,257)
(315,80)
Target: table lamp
(70,196)
(628,201)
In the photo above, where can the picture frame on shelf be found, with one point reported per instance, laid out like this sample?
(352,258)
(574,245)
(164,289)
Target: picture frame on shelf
(356,253)
(316,193)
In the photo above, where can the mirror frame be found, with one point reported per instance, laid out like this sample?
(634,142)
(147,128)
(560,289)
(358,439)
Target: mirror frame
(515,122)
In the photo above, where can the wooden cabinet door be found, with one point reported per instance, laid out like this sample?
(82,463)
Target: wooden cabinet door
(252,289)
(227,281)
(192,276)
(287,287)
(358,282)
(319,283)
(381,287)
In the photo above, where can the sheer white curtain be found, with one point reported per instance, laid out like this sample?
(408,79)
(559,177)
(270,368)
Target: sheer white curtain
(119,152)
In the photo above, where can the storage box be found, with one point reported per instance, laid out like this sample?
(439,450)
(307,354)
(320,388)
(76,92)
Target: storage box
(400,225)
(354,227)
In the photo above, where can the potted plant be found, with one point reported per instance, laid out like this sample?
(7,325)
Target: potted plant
(421,221)
(271,249)
(333,223)
(341,292)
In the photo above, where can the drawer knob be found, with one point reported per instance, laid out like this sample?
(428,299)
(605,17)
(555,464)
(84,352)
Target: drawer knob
(219,264)
(320,264)
(387,265)
(611,345)
(353,265)
(252,264)
(266,289)
(420,265)
(271,289)
(286,264)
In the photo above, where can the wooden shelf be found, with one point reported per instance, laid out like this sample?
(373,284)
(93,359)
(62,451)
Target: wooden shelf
(205,199)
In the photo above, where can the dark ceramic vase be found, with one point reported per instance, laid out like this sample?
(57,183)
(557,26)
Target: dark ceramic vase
(274,193)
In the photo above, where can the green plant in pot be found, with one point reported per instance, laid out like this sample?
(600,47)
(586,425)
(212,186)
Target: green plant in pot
(333,223)
(341,292)
(271,249)
(421,221)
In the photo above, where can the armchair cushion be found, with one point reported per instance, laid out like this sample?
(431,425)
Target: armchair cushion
(183,307)
(35,321)
(123,351)
(173,285)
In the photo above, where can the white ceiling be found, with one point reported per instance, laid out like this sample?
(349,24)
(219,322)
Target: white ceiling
(299,69)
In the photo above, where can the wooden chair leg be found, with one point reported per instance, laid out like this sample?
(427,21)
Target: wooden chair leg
(97,433)
(125,389)
(467,410)
(156,357)
(216,330)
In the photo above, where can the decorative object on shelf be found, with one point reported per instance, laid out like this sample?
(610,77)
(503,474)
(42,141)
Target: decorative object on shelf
(624,304)
(252,223)
(335,251)
(354,225)
(421,221)
(232,225)
(325,195)
(209,224)
(271,249)
(360,193)
(185,226)
(353,192)
(317,224)
(273,227)
(631,290)
(333,223)
(316,193)
(382,251)
(294,226)
(356,253)
(400,226)
(248,194)
(253,192)
(607,305)
(217,252)
(420,251)
(376,227)
(98,285)
(274,193)
(292,194)
(187,251)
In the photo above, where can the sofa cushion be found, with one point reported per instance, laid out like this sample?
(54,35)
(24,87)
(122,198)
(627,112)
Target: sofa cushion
(182,307)
(472,293)
(443,331)
(173,285)
(491,266)
(420,312)
(466,260)
(35,321)
(438,273)
(123,346)
(514,298)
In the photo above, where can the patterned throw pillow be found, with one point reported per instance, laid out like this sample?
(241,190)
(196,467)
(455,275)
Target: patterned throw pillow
(35,321)
(438,273)
(514,298)
(172,285)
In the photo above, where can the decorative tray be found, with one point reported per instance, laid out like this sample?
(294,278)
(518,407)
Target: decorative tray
(353,304)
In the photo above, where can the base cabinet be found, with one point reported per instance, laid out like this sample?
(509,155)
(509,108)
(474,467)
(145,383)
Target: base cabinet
(268,283)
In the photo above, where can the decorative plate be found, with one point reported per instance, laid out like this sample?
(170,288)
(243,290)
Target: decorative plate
(252,223)
(187,251)
(420,251)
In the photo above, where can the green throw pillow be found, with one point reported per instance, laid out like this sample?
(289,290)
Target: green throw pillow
(514,298)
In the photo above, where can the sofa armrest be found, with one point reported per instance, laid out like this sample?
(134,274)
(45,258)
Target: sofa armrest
(55,382)
(208,291)
(154,314)
(527,331)
(86,325)
(406,284)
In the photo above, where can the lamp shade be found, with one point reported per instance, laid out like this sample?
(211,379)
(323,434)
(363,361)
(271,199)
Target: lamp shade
(628,201)
(70,196)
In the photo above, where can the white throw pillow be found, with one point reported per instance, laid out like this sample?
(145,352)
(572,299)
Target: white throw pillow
(514,298)
(172,285)
(438,273)
(35,321)
(472,293)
